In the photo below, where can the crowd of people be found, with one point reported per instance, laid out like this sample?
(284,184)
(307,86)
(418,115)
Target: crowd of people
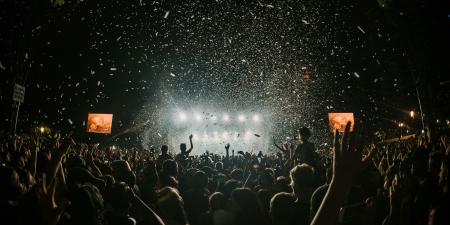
(53,180)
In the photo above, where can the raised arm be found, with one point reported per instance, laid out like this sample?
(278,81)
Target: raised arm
(283,150)
(192,145)
(348,162)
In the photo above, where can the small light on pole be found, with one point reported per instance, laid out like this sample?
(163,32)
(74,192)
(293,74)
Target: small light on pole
(412,114)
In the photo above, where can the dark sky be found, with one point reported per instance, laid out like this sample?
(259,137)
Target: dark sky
(141,59)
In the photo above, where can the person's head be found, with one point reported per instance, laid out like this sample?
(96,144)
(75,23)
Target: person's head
(302,179)
(282,184)
(266,179)
(87,204)
(10,185)
(200,180)
(170,168)
(120,197)
(217,201)
(219,166)
(281,208)
(122,172)
(246,207)
(304,133)
(183,147)
(237,174)
(170,205)
(164,149)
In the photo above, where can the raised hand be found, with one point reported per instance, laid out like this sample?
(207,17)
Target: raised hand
(191,136)
(50,211)
(227,146)
(348,160)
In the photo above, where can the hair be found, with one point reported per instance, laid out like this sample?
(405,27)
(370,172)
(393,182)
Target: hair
(164,148)
(119,196)
(249,208)
(170,167)
(281,206)
(183,146)
(217,201)
(200,180)
(170,205)
(305,133)
(302,176)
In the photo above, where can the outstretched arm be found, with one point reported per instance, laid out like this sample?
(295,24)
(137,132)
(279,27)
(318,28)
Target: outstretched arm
(348,162)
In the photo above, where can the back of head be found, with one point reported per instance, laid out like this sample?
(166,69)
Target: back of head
(119,196)
(171,207)
(200,180)
(217,201)
(9,184)
(248,208)
(302,178)
(281,208)
(164,149)
(122,172)
(170,168)
(183,147)
(305,133)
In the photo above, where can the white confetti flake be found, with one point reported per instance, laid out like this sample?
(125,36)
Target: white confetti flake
(305,22)
(166,14)
(172,74)
(362,31)
(356,74)
(113,69)
(70,121)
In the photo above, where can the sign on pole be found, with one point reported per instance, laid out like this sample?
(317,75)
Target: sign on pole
(19,93)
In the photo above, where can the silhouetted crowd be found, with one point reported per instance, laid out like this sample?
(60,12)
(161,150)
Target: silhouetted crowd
(51,179)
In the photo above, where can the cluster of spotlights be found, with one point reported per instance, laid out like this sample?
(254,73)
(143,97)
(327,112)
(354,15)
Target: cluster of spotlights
(222,136)
(182,116)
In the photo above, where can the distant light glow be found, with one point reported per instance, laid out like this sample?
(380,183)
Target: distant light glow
(241,118)
(256,118)
(42,129)
(226,118)
(411,114)
(198,117)
(182,116)
(401,125)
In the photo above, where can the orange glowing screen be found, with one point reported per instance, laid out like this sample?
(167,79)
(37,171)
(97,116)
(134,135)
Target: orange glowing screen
(99,123)
(339,120)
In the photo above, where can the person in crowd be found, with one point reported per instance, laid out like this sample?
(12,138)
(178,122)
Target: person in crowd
(163,156)
(53,180)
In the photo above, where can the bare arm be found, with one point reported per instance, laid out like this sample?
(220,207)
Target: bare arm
(347,164)
(192,146)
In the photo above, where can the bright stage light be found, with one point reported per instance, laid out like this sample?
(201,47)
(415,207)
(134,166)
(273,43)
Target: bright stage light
(248,134)
(225,135)
(213,118)
(241,118)
(226,118)
(182,116)
(198,117)
(256,118)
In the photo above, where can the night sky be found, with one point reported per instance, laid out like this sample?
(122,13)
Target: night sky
(141,60)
